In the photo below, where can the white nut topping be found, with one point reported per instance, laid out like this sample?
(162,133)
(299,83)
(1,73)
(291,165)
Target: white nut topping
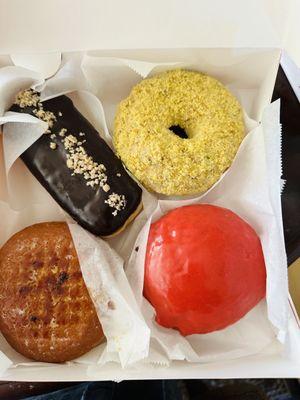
(116,201)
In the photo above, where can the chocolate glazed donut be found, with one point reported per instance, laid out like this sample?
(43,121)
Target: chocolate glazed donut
(78,168)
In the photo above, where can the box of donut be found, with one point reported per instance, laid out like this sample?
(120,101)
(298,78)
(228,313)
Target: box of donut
(141,229)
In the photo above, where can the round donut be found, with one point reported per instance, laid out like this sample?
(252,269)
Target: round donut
(46,313)
(178,131)
(204,269)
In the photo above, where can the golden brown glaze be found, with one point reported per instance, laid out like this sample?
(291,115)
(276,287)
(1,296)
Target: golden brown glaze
(46,313)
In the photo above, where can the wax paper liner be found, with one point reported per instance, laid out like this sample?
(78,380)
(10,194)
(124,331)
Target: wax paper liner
(111,80)
(245,190)
(25,202)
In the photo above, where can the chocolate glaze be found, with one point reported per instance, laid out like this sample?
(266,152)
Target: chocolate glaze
(84,203)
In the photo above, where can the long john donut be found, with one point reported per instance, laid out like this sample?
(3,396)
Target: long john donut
(78,168)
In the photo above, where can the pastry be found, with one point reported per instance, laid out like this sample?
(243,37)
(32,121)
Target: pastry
(78,168)
(46,313)
(177,132)
(204,269)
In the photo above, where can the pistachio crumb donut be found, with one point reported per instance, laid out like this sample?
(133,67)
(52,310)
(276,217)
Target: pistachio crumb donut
(178,131)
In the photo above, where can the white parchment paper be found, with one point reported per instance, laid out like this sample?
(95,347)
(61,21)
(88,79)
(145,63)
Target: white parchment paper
(243,189)
(251,188)
(126,332)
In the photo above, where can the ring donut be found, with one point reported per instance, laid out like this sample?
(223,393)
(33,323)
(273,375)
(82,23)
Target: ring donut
(177,132)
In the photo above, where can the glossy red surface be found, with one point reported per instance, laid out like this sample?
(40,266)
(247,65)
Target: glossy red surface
(204,269)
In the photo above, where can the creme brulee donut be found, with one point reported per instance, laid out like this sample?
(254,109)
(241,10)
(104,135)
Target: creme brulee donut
(204,269)
(177,132)
(46,312)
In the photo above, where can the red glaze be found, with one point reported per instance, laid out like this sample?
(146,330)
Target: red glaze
(204,269)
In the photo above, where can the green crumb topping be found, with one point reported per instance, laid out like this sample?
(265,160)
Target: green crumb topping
(164,162)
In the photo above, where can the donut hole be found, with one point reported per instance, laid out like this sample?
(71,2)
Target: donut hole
(179,131)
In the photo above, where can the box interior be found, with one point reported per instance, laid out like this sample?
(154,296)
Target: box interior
(258,67)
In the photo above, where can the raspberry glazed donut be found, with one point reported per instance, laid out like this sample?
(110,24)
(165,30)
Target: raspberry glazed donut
(177,132)
(204,269)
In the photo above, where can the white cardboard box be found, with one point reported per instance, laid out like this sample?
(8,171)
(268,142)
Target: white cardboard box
(250,33)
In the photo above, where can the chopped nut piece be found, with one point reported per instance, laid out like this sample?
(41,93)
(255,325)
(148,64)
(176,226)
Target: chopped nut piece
(53,145)
(118,174)
(31,98)
(62,132)
(46,116)
(27,98)
(116,201)
(83,164)
(60,114)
